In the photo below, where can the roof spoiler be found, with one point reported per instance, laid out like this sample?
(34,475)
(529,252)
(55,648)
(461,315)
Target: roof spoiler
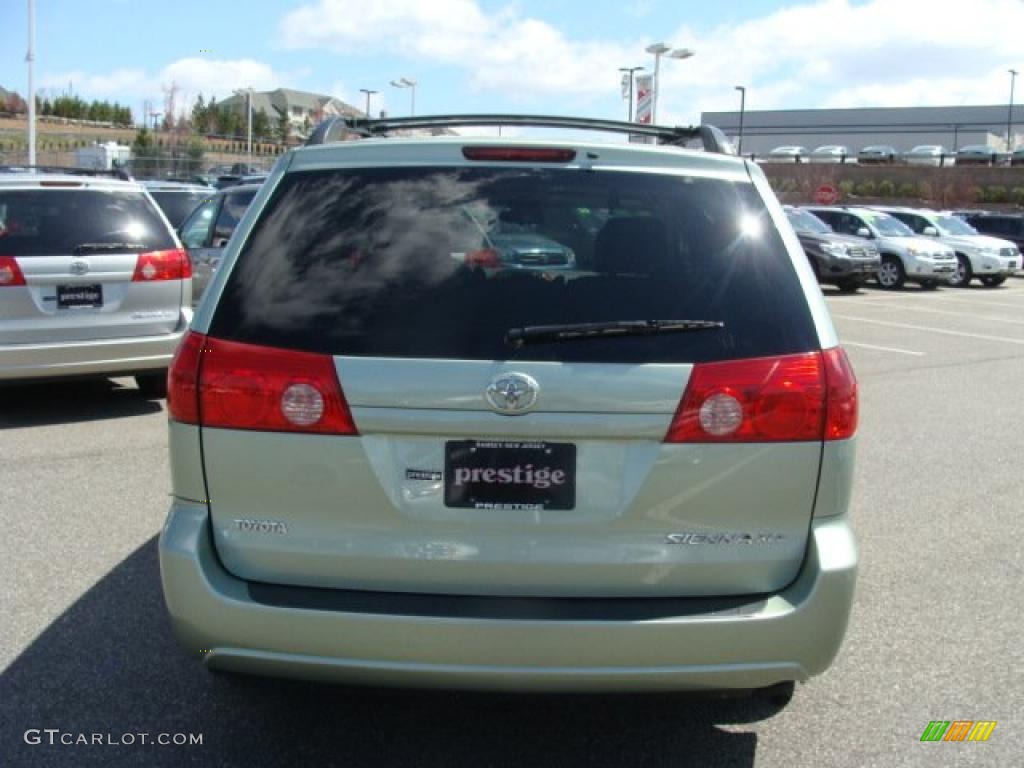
(115,173)
(341,127)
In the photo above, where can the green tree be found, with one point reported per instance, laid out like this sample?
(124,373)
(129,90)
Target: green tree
(284,124)
(146,155)
(261,125)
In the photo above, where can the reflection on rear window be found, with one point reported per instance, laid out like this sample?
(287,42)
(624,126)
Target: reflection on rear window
(441,262)
(53,222)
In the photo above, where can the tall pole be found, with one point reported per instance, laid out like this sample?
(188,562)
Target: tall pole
(629,72)
(368,93)
(412,105)
(30,57)
(248,99)
(1009,113)
(743,108)
(657,87)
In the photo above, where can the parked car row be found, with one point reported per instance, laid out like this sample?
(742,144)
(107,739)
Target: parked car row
(846,245)
(923,154)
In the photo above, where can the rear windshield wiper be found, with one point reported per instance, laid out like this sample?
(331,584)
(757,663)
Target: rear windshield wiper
(84,248)
(518,337)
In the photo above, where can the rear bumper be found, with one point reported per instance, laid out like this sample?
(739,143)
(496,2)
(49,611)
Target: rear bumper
(101,357)
(791,635)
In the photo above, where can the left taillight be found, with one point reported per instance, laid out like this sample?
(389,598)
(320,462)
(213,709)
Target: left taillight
(172,264)
(10,272)
(183,379)
(790,398)
(216,383)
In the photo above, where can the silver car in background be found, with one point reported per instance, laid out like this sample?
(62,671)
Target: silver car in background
(905,256)
(988,259)
(208,229)
(93,281)
(831,153)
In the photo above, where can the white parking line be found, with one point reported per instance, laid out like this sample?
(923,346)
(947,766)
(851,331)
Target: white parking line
(971,315)
(932,329)
(980,303)
(848,343)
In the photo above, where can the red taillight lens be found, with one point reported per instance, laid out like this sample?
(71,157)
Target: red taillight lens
(162,265)
(520,154)
(244,386)
(764,399)
(183,379)
(10,272)
(842,413)
(487,257)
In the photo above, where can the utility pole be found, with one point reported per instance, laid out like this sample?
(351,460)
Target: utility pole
(30,57)
(629,71)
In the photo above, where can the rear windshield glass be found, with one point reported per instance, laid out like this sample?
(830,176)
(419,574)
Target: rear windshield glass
(443,262)
(178,205)
(52,222)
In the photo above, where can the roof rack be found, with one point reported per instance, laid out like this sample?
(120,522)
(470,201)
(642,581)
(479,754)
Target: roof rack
(336,128)
(115,173)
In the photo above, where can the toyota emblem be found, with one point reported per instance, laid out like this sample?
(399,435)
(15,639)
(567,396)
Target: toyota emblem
(79,267)
(512,393)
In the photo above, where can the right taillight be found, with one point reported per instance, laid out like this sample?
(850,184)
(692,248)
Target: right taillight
(10,272)
(841,395)
(226,384)
(790,398)
(153,266)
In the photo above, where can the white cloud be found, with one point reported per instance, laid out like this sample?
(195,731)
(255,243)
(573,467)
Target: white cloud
(833,53)
(518,57)
(817,53)
(112,85)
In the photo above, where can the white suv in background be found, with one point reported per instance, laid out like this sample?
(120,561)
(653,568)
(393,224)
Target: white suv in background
(905,256)
(93,280)
(989,259)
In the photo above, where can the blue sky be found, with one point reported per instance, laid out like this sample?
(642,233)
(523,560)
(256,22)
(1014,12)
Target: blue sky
(553,56)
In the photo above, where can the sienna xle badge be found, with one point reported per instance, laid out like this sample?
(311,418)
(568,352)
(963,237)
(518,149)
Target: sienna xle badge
(399,457)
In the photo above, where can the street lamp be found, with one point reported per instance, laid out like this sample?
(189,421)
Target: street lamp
(743,108)
(407,82)
(368,93)
(659,49)
(30,58)
(1009,113)
(628,72)
(248,105)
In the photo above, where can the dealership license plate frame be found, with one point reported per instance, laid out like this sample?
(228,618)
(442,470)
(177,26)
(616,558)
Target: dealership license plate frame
(93,301)
(507,455)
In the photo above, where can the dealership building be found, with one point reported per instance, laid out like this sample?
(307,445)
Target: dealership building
(900,127)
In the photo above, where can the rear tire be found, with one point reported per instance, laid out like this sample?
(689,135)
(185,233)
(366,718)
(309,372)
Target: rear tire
(964,273)
(992,282)
(891,274)
(850,285)
(153,386)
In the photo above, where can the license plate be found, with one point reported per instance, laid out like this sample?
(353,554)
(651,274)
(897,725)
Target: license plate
(509,475)
(73,296)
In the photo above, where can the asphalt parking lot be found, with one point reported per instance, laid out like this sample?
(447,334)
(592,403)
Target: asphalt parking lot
(86,646)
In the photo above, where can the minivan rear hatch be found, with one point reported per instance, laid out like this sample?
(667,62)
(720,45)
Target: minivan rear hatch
(488,458)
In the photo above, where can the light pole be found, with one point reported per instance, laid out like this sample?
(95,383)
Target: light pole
(368,93)
(407,82)
(628,71)
(248,107)
(30,57)
(1009,113)
(659,49)
(743,108)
